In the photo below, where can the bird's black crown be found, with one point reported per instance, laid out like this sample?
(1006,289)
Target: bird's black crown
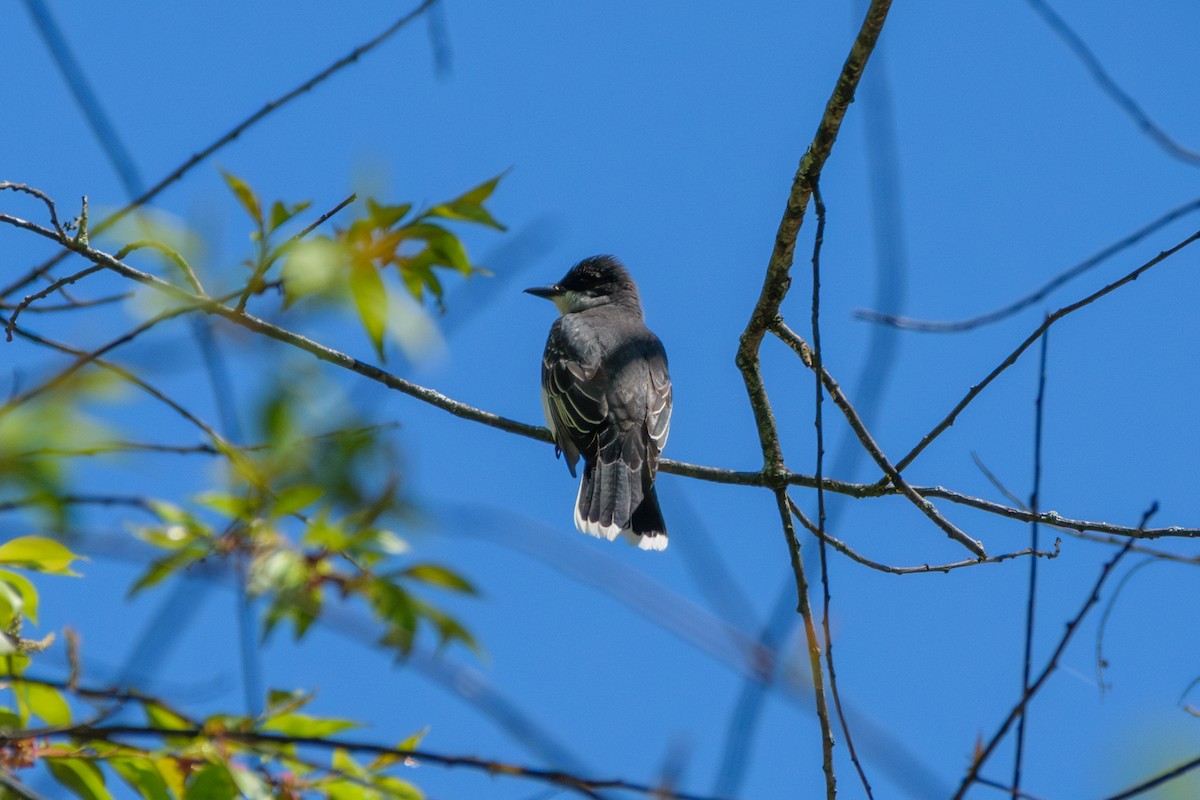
(597,275)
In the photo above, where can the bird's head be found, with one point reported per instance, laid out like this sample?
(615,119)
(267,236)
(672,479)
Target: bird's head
(592,282)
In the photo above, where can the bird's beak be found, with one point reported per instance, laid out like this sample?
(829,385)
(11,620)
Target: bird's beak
(548,292)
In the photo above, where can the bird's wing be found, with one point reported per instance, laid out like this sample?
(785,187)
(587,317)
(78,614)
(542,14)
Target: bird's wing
(658,409)
(573,397)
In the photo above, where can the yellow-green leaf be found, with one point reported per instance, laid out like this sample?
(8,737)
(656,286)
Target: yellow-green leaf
(39,554)
(44,702)
(303,725)
(213,782)
(439,576)
(245,196)
(370,297)
(80,776)
(294,498)
(143,777)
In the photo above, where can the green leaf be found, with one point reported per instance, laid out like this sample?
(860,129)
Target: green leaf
(25,588)
(44,702)
(294,498)
(9,721)
(231,505)
(283,702)
(213,782)
(245,196)
(167,566)
(370,296)
(12,603)
(444,245)
(80,776)
(411,743)
(143,777)
(303,725)
(397,789)
(439,576)
(386,216)
(343,762)
(348,790)
(159,716)
(449,629)
(39,554)
(469,207)
(281,213)
(250,786)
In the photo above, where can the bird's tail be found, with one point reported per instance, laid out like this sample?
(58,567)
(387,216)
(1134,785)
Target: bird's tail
(611,503)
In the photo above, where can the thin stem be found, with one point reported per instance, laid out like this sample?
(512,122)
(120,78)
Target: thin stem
(1031,601)
(1051,665)
(804,609)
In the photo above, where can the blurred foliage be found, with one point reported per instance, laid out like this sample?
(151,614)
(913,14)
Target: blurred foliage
(354,259)
(308,511)
(35,429)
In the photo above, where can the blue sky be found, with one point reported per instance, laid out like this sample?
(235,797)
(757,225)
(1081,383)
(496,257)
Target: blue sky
(668,135)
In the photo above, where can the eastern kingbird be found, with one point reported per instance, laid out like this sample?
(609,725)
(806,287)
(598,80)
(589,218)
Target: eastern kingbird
(607,397)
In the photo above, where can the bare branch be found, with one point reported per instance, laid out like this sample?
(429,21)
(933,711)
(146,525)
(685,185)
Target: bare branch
(228,137)
(777,279)
(1109,86)
(1051,665)
(1031,602)
(819,424)
(955,326)
(40,195)
(588,787)
(793,340)
(1158,780)
(1033,337)
(804,609)
(845,549)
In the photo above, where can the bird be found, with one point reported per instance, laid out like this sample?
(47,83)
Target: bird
(606,393)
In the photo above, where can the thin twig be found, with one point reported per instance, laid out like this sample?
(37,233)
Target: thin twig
(228,137)
(974,391)
(1101,662)
(1158,780)
(1109,86)
(955,326)
(1039,417)
(46,292)
(777,278)
(1051,665)
(174,257)
(121,372)
(255,283)
(853,555)
(71,305)
(804,609)
(802,349)
(588,787)
(994,481)
(40,195)
(818,423)
(465,411)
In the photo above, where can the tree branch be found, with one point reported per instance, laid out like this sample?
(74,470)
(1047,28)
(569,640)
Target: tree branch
(228,137)
(588,787)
